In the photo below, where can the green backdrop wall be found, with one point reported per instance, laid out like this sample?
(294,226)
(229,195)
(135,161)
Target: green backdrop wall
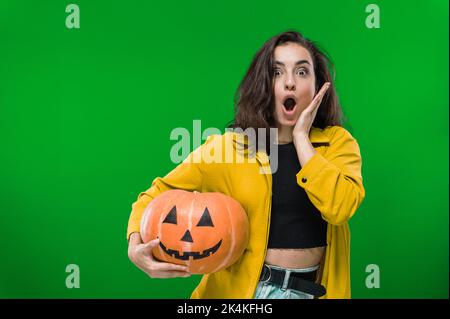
(85,118)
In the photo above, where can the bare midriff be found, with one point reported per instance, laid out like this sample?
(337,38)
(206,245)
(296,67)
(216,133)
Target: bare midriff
(294,257)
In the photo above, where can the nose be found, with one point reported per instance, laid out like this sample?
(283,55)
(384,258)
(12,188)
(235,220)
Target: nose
(289,84)
(187,237)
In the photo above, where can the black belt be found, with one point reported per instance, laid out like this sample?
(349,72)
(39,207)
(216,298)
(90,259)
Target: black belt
(302,281)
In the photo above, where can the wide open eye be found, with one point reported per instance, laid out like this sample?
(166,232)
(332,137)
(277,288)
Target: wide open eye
(302,71)
(205,220)
(171,217)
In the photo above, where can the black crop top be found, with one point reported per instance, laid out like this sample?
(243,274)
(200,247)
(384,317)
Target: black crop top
(295,221)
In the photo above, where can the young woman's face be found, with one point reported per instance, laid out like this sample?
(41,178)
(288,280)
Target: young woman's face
(294,80)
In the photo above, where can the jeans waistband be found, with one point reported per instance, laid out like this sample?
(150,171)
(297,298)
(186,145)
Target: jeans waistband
(285,278)
(309,269)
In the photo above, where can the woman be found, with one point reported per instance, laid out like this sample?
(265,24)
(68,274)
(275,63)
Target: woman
(299,235)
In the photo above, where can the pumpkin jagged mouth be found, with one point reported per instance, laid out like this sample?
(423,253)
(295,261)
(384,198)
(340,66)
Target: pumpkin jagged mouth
(195,254)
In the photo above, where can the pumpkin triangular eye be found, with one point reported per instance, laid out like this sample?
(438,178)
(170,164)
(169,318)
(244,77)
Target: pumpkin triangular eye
(171,217)
(205,220)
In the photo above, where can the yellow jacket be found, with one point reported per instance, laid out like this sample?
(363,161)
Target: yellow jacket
(331,178)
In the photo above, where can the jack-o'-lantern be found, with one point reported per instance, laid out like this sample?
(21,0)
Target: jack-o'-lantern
(206,232)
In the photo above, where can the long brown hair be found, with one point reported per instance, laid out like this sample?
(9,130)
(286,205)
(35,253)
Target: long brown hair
(254,98)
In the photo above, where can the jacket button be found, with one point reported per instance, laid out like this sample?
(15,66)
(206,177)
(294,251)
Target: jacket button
(304,180)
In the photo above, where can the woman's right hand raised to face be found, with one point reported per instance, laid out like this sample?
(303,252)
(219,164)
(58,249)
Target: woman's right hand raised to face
(141,255)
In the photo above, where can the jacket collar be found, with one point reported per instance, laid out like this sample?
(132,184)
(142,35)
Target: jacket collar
(316,136)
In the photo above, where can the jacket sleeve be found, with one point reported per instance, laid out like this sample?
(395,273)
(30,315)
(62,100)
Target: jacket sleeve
(186,176)
(333,181)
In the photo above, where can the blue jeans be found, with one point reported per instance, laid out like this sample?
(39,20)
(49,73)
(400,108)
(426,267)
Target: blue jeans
(268,291)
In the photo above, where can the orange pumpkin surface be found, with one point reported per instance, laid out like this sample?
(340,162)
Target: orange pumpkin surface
(206,232)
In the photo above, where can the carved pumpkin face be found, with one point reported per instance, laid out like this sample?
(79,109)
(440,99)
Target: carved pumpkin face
(204,231)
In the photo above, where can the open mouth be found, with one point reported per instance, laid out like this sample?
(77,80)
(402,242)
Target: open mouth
(289,104)
(194,254)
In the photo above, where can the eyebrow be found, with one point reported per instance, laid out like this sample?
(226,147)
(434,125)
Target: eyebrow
(296,63)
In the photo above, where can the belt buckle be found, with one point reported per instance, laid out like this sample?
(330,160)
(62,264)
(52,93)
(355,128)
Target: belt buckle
(270,274)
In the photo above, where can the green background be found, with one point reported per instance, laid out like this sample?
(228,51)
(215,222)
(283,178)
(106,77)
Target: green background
(85,118)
